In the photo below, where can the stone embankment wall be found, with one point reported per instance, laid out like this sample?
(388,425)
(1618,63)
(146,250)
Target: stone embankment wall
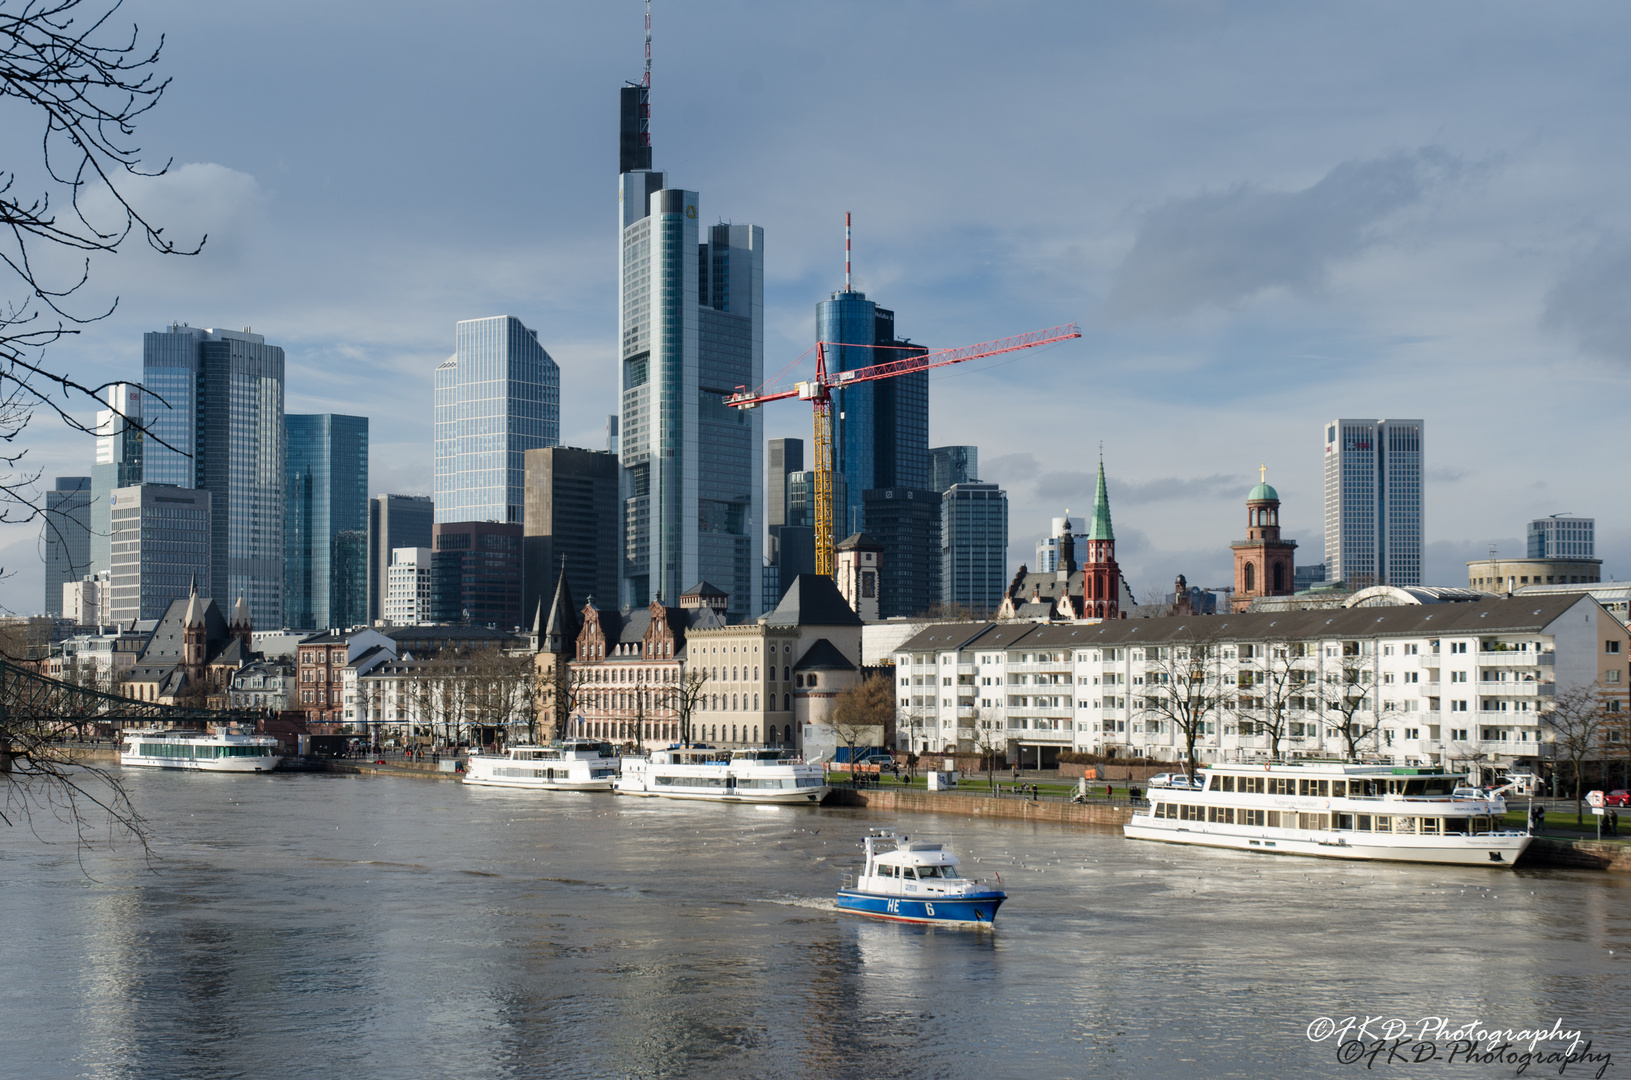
(1578,854)
(934,802)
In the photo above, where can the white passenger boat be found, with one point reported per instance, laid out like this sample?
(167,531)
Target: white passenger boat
(918,883)
(201,750)
(699,772)
(1336,811)
(569,765)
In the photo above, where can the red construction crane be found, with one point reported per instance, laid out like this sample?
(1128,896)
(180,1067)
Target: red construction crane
(818,392)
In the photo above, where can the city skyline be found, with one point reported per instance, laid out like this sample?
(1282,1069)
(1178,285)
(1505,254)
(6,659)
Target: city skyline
(1357,252)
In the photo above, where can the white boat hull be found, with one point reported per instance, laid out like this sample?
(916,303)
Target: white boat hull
(1455,850)
(537,784)
(226,765)
(789,796)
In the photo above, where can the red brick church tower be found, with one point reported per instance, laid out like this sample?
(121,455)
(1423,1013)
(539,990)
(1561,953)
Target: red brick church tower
(1264,563)
(1101,577)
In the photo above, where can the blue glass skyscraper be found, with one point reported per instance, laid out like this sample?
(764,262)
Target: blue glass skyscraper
(880,429)
(213,413)
(325,529)
(497,396)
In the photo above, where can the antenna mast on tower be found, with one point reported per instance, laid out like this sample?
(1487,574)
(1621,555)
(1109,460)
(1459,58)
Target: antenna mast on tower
(846,248)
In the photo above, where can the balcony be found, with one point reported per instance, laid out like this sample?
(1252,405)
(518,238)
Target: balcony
(1062,667)
(966,689)
(1511,689)
(1513,658)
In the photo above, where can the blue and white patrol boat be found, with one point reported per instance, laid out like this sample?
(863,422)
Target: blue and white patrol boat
(918,883)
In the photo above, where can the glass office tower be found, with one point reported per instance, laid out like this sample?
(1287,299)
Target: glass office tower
(67,537)
(325,522)
(217,395)
(1373,502)
(691,327)
(497,396)
(394,521)
(974,546)
(880,429)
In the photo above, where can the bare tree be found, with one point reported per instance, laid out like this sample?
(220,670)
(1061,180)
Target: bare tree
(1348,696)
(1268,690)
(684,696)
(859,709)
(1183,687)
(1576,722)
(87,84)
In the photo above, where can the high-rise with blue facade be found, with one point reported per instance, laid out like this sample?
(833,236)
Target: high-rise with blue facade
(880,429)
(213,415)
(497,396)
(67,537)
(691,328)
(325,521)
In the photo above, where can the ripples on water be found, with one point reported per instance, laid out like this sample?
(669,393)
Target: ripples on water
(336,926)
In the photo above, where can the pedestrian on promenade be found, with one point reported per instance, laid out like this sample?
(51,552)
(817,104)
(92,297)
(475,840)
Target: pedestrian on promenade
(1613,823)
(1016,776)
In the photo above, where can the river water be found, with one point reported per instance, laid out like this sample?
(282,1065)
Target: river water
(335,926)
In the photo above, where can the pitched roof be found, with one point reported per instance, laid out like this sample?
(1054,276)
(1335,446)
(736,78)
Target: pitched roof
(813,600)
(702,588)
(858,542)
(823,655)
(1100,528)
(1522,614)
(561,630)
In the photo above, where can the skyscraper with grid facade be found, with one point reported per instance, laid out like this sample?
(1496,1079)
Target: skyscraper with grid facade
(325,530)
(497,396)
(691,328)
(213,414)
(1373,502)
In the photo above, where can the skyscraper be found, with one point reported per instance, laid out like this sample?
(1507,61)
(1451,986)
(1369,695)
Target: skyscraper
(497,396)
(880,429)
(325,530)
(161,549)
(572,524)
(974,546)
(217,395)
(691,328)
(1373,502)
(118,464)
(67,537)
(950,465)
(477,569)
(906,524)
(394,521)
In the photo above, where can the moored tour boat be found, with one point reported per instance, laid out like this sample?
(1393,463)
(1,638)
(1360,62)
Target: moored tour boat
(1334,810)
(569,765)
(760,775)
(918,883)
(201,750)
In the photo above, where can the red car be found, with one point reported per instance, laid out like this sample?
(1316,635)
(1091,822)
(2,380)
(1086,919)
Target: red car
(1617,798)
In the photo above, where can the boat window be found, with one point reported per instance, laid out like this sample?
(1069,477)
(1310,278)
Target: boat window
(1362,823)
(1282,785)
(1339,788)
(1252,785)
(1227,783)
(908,872)
(928,871)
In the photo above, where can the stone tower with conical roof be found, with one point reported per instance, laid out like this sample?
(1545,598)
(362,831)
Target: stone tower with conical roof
(242,626)
(557,636)
(1264,563)
(1101,577)
(194,637)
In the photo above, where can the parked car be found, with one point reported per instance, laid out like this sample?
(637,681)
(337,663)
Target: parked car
(881,760)
(1619,797)
(1159,780)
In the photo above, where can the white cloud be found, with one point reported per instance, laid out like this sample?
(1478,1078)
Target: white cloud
(1223,247)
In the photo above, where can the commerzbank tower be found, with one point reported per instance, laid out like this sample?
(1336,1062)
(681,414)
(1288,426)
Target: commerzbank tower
(691,330)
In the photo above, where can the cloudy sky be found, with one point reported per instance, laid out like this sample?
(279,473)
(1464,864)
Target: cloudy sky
(1263,215)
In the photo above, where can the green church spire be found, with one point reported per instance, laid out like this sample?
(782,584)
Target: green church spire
(1101,529)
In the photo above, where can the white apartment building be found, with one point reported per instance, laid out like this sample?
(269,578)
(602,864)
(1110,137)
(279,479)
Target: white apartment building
(410,586)
(1456,684)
